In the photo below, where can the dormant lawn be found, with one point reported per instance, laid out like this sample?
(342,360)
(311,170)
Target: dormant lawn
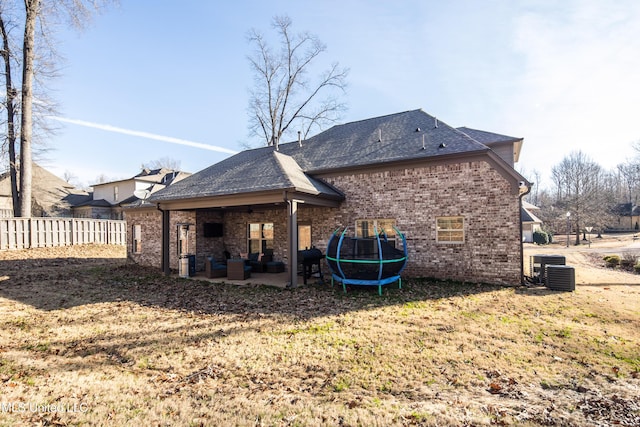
(88,339)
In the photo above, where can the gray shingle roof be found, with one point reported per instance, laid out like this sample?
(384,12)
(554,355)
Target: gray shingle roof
(527,216)
(487,137)
(403,136)
(380,140)
(249,171)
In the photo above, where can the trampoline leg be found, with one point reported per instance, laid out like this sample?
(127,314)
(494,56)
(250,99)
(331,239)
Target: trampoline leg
(380,290)
(399,282)
(344,287)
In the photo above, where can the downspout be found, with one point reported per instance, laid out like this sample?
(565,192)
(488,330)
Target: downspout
(165,264)
(292,239)
(522,280)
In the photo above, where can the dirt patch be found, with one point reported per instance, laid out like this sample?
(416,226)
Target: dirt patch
(111,343)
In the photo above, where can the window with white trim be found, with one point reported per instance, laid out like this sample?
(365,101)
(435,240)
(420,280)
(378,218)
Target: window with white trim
(450,229)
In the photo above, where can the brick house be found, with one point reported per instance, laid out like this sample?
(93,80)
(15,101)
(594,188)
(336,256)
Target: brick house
(108,198)
(530,221)
(51,196)
(453,192)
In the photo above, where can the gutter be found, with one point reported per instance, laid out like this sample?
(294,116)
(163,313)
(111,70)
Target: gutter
(528,186)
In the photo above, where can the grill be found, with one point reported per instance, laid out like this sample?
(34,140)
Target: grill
(310,260)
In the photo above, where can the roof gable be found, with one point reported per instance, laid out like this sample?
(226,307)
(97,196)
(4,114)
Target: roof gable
(493,140)
(261,169)
(528,216)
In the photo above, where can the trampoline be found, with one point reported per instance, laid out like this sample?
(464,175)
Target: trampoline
(372,261)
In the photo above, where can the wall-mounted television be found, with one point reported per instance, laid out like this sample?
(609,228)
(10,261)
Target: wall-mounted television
(213,229)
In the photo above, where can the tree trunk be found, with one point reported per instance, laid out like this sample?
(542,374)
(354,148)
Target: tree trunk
(11,115)
(26,125)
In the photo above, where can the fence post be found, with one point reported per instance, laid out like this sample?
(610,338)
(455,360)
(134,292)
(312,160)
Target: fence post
(30,231)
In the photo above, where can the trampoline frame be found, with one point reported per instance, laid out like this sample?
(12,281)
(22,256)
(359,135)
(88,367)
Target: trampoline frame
(339,276)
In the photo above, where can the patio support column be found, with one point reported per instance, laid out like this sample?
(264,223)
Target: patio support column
(166,269)
(292,242)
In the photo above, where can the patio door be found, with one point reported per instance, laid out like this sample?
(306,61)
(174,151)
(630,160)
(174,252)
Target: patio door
(304,237)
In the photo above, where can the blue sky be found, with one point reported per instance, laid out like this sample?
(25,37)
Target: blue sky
(563,75)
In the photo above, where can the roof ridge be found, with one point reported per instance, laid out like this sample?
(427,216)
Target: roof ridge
(380,117)
(298,176)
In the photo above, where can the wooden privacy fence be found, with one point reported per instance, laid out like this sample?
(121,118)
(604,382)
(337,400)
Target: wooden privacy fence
(24,233)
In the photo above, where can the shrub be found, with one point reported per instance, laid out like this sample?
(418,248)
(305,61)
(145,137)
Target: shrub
(540,237)
(628,260)
(636,268)
(612,260)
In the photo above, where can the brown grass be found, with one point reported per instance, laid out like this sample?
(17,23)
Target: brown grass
(116,344)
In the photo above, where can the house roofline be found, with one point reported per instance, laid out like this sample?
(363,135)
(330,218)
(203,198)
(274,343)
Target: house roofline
(487,155)
(277,196)
(433,160)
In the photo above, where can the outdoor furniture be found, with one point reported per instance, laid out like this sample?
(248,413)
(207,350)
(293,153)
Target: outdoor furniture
(238,270)
(275,267)
(258,262)
(310,258)
(214,268)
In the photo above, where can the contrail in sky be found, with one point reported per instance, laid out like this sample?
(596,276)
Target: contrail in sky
(147,135)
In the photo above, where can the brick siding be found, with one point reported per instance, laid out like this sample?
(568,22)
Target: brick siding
(414,197)
(150,220)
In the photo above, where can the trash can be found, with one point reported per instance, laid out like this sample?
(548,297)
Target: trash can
(192,264)
(183,270)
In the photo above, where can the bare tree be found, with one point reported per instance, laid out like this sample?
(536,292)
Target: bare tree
(32,9)
(283,94)
(101,179)
(10,108)
(580,190)
(37,14)
(629,174)
(163,162)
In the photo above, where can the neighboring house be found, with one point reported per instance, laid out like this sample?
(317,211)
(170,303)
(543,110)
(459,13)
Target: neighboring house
(457,199)
(627,217)
(530,222)
(108,198)
(51,196)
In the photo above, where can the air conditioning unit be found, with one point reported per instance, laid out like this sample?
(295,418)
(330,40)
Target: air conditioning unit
(560,277)
(538,263)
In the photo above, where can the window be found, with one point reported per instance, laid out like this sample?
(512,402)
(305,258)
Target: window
(450,229)
(137,238)
(304,237)
(115,193)
(260,237)
(366,228)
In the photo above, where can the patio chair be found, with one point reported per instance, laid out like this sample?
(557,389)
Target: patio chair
(258,262)
(214,268)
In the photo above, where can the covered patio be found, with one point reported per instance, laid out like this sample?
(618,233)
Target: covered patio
(263,188)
